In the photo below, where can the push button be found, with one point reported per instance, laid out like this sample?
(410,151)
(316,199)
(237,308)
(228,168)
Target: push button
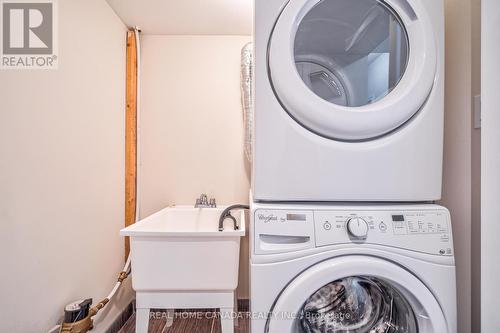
(382,226)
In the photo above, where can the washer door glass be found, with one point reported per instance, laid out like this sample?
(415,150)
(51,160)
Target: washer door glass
(351,53)
(356,294)
(357,304)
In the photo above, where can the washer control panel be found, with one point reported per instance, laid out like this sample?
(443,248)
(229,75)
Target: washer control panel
(427,231)
(422,231)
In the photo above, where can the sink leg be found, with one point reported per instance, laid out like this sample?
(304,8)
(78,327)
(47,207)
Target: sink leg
(236,310)
(142,321)
(226,320)
(170,317)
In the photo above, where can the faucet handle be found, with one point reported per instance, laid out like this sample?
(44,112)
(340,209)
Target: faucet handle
(203,199)
(212,203)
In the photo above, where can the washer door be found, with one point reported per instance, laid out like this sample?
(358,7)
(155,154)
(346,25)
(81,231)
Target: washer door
(352,70)
(356,294)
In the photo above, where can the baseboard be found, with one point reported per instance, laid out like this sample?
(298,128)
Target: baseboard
(243,305)
(122,318)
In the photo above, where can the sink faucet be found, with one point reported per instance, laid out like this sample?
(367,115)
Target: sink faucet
(203,202)
(226,214)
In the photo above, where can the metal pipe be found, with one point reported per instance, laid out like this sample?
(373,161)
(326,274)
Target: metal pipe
(138,126)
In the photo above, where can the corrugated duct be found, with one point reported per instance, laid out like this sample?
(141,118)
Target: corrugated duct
(247,96)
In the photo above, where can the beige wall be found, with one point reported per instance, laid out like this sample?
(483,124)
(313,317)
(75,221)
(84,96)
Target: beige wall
(61,173)
(457,153)
(191,124)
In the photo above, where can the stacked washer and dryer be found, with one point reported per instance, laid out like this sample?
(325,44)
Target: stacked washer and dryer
(347,163)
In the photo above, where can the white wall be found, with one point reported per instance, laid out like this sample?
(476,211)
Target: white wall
(457,152)
(490,168)
(192,125)
(62,173)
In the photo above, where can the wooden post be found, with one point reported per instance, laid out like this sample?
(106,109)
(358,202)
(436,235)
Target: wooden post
(131,135)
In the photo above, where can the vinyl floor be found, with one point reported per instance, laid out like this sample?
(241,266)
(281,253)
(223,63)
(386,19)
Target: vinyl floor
(187,322)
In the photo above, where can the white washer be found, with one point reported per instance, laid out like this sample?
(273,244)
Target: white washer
(348,268)
(348,100)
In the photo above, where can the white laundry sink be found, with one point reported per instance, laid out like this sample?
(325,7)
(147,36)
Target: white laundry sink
(180,248)
(181,260)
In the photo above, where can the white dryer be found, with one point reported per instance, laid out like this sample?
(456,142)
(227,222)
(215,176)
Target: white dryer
(364,269)
(348,100)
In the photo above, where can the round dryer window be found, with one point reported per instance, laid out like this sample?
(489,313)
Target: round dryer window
(352,70)
(356,294)
(351,53)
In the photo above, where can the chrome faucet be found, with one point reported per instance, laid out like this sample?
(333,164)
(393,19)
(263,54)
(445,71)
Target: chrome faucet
(203,202)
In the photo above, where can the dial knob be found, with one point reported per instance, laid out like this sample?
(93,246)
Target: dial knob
(357,228)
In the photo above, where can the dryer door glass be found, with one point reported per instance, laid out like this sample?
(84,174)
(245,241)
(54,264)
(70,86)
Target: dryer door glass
(357,304)
(355,70)
(351,53)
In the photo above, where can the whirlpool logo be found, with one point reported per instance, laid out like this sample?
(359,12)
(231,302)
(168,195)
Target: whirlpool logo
(29,34)
(266,218)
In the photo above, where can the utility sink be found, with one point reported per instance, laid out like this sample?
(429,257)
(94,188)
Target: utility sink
(181,260)
(181,248)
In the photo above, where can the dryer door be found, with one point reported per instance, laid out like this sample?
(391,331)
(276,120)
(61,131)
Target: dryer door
(356,294)
(352,70)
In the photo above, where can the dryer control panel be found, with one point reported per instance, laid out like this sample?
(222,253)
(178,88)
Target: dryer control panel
(426,231)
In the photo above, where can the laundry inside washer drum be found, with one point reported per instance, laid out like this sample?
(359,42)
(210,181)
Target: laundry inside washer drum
(357,305)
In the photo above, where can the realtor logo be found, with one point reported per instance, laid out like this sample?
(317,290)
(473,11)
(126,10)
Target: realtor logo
(28,34)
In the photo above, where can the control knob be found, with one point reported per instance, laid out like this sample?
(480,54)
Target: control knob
(357,228)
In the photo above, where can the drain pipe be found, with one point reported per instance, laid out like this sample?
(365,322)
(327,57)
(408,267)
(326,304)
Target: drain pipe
(138,127)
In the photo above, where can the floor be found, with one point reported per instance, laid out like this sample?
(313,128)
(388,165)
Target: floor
(187,322)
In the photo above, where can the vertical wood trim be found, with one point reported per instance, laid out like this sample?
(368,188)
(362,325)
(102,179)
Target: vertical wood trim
(131,135)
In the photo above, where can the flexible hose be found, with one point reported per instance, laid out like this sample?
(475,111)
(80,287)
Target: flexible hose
(126,268)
